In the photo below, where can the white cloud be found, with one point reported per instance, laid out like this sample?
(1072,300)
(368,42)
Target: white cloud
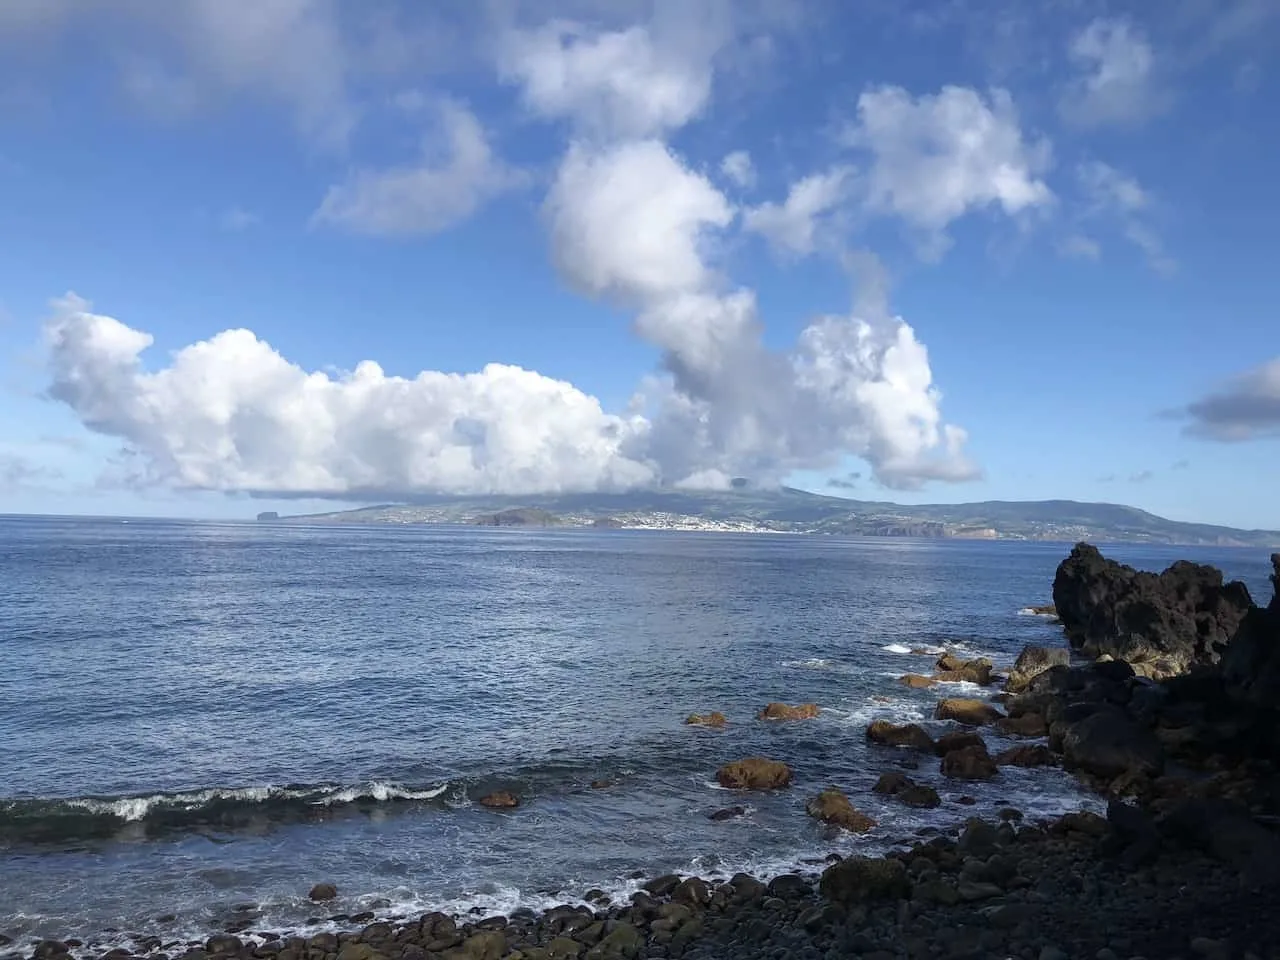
(230,413)
(794,225)
(631,221)
(739,169)
(938,157)
(611,84)
(1111,195)
(1116,81)
(446,186)
(1247,407)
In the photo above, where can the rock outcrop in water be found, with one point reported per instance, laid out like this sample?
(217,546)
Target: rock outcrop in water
(782,711)
(833,807)
(754,773)
(1163,624)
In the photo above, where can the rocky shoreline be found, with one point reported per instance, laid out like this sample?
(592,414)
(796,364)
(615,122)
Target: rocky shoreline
(1173,718)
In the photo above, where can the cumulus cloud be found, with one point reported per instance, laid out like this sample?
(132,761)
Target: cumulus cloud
(1247,407)
(230,413)
(1111,195)
(793,226)
(739,169)
(633,222)
(1115,82)
(457,173)
(611,84)
(939,156)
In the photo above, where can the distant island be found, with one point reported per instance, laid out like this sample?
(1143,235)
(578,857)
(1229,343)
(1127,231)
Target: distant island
(787,510)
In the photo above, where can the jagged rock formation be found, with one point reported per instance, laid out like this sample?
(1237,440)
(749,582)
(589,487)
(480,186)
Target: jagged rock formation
(1163,624)
(1251,664)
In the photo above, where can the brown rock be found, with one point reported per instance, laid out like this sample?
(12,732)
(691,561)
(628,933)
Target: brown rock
(949,661)
(603,784)
(322,892)
(781,711)
(754,773)
(832,806)
(974,713)
(917,682)
(969,763)
(715,719)
(1033,755)
(500,800)
(905,735)
(1027,725)
(958,740)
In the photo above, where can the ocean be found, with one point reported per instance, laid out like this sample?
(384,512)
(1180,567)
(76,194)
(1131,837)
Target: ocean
(199,721)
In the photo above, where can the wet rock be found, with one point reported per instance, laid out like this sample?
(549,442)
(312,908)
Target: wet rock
(978,839)
(322,892)
(603,784)
(714,719)
(906,790)
(487,945)
(832,806)
(1163,623)
(856,879)
(727,813)
(693,892)
(969,763)
(662,886)
(746,888)
(781,711)
(500,800)
(790,886)
(1031,755)
(975,713)
(904,735)
(754,773)
(958,740)
(223,944)
(954,670)
(622,943)
(917,682)
(48,949)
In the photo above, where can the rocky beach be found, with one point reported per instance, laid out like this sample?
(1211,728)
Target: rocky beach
(1163,701)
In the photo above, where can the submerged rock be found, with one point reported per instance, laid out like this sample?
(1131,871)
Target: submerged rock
(904,735)
(322,892)
(727,813)
(713,719)
(754,773)
(1032,755)
(906,790)
(969,763)
(832,806)
(500,800)
(781,711)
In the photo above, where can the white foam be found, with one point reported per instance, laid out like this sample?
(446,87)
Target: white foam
(1032,612)
(897,648)
(381,792)
(133,809)
(813,663)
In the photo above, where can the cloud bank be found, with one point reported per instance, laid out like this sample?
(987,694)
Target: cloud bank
(1247,407)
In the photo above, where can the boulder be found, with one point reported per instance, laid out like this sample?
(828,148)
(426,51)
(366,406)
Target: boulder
(1163,624)
(500,800)
(969,763)
(1251,663)
(1027,725)
(904,735)
(727,813)
(958,740)
(754,773)
(952,669)
(322,892)
(781,711)
(856,879)
(1032,662)
(1031,755)
(917,682)
(714,719)
(832,806)
(974,713)
(906,790)
(1108,744)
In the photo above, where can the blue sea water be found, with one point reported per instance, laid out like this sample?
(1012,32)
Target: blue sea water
(198,721)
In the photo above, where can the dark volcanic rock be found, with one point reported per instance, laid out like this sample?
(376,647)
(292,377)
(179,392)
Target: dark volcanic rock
(906,735)
(1163,624)
(832,806)
(969,763)
(895,784)
(323,891)
(1108,744)
(863,878)
(1251,664)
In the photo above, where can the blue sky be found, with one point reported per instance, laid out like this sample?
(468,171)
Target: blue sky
(326,251)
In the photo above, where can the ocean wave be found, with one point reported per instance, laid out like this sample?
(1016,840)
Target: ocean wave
(56,820)
(1049,614)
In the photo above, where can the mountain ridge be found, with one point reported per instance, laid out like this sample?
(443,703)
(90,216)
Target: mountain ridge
(789,510)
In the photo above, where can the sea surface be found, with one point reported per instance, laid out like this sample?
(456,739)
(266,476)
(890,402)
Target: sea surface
(198,721)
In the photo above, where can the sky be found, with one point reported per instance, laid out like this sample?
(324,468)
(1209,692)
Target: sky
(303,253)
